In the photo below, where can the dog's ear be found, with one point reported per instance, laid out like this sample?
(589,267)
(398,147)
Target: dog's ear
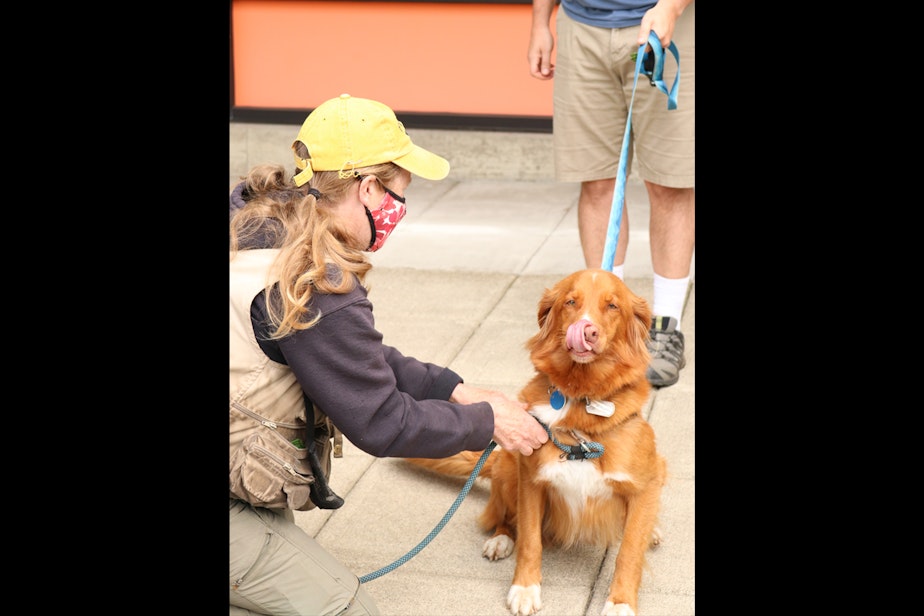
(545,306)
(545,316)
(640,325)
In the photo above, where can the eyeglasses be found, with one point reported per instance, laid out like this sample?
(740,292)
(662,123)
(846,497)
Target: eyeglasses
(396,196)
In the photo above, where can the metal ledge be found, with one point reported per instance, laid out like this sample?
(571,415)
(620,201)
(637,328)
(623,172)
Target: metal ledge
(446,121)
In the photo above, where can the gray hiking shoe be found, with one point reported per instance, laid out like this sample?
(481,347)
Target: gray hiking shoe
(666,348)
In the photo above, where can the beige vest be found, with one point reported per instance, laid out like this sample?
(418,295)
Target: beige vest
(258,384)
(267,410)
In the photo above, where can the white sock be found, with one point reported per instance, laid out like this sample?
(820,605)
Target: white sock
(669,296)
(619,270)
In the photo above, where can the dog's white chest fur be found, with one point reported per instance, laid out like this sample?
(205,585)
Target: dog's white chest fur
(576,481)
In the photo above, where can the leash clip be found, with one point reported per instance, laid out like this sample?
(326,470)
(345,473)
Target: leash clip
(648,63)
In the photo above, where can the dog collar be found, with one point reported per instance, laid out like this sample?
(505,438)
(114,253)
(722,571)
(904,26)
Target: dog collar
(584,450)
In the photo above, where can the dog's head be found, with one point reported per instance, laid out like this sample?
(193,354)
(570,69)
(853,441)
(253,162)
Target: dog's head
(592,333)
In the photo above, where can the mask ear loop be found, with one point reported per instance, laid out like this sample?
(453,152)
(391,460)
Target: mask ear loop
(371,227)
(368,212)
(395,195)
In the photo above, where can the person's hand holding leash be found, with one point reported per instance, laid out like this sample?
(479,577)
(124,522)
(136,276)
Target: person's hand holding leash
(661,18)
(514,428)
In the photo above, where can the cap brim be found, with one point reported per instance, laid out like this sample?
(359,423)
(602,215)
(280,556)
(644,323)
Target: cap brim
(424,163)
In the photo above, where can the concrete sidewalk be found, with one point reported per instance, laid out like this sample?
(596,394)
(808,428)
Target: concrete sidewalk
(458,285)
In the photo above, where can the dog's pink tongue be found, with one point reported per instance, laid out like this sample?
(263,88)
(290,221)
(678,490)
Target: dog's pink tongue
(575,337)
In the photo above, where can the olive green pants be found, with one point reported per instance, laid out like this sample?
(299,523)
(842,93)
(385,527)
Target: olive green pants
(278,569)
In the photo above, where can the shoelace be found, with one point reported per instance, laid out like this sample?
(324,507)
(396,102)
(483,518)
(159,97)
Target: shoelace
(665,343)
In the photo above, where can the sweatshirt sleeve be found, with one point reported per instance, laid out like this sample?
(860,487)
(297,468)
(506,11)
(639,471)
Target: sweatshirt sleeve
(421,379)
(387,404)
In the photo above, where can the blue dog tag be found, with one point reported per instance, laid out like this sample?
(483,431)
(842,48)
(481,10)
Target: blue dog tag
(557,400)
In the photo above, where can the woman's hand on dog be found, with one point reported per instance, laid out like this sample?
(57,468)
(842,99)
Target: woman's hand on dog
(514,428)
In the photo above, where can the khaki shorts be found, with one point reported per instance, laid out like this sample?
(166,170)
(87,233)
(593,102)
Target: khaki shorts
(593,84)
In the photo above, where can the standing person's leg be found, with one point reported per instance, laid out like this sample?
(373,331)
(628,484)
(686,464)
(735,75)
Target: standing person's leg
(595,204)
(672,234)
(277,568)
(590,106)
(672,231)
(665,151)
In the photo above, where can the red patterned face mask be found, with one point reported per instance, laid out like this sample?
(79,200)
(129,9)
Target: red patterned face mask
(384,220)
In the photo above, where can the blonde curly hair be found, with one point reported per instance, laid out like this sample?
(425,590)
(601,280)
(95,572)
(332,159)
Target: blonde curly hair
(314,251)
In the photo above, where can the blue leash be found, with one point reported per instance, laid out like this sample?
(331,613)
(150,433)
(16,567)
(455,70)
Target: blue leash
(584,450)
(439,527)
(656,76)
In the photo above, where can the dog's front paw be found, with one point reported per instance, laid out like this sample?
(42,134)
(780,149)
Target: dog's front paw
(497,547)
(619,609)
(523,601)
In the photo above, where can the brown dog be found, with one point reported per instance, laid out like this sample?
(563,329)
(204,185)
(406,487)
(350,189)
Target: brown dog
(589,388)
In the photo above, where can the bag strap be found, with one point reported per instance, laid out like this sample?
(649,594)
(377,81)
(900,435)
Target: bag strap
(320,492)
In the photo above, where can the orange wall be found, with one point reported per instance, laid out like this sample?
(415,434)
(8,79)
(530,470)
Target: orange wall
(425,57)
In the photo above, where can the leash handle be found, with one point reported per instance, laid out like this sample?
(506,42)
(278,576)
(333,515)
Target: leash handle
(465,489)
(619,192)
(657,74)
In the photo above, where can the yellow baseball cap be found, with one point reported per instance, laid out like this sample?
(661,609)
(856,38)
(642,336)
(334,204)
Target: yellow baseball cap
(345,132)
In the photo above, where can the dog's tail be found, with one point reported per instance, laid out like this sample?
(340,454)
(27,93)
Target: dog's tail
(460,465)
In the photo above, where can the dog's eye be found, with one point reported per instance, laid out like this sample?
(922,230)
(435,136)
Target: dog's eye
(612,306)
(569,302)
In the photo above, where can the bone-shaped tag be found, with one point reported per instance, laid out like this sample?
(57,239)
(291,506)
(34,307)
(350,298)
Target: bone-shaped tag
(603,408)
